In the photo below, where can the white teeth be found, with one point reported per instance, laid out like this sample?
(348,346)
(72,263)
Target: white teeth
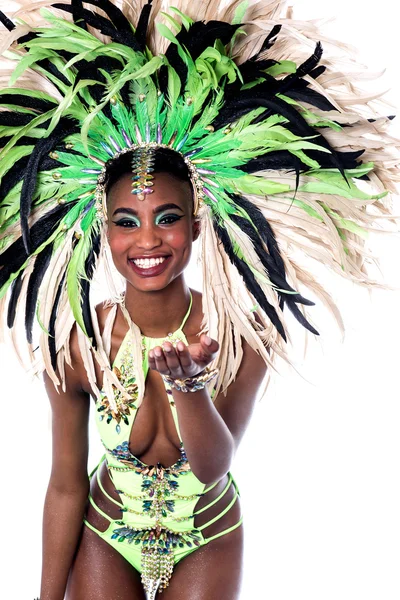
(148,263)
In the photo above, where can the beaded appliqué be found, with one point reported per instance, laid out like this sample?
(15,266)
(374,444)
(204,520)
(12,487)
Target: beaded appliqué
(126,375)
(124,406)
(157,556)
(159,483)
(157,543)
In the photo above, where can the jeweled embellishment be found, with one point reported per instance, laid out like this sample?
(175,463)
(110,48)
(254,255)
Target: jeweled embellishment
(143,161)
(157,556)
(124,406)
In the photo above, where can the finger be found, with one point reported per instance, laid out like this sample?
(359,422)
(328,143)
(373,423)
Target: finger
(152,360)
(184,355)
(211,346)
(172,359)
(160,361)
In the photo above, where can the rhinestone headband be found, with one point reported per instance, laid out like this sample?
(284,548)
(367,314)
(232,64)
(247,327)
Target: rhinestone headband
(143,160)
(142,180)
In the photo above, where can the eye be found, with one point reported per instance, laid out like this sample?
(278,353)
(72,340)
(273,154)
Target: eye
(125,223)
(170,219)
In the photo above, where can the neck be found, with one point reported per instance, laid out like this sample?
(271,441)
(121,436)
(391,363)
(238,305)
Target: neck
(158,312)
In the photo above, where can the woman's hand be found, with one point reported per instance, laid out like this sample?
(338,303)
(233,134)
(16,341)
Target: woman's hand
(183,361)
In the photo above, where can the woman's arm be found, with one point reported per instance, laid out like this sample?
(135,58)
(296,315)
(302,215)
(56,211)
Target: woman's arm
(69,485)
(211,431)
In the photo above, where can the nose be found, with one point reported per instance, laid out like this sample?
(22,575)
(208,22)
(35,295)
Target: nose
(148,237)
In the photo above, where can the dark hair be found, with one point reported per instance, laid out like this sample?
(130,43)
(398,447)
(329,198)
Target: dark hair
(166,161)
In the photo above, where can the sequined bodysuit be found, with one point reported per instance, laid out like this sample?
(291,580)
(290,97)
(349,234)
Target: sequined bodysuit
(158,504)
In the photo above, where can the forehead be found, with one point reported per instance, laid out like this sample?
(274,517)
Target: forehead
(167,188)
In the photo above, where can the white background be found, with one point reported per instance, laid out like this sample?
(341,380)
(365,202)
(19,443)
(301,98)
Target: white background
(318,469)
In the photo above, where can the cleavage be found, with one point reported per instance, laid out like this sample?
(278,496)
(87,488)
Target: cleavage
(153,437)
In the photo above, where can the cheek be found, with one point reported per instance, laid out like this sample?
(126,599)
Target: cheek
(118,243)
(178,238)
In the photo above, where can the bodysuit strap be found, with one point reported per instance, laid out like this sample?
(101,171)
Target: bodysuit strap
(185,318)
(158,342)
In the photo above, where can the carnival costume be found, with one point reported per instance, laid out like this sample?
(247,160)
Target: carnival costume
(288,162)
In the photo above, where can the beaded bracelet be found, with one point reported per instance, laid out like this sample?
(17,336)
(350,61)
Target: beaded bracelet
(192,384)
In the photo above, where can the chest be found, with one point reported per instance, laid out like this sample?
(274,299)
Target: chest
(153,433)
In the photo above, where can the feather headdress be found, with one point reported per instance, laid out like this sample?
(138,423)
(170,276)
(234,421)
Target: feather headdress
(285,154)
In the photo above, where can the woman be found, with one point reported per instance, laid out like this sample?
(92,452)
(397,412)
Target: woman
(257,159)
(157,304)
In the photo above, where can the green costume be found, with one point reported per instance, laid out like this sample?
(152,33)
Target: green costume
(287,163)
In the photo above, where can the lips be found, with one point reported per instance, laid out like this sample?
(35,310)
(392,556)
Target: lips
(152,271)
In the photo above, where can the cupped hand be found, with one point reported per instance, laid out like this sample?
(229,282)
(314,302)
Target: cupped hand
(183,361)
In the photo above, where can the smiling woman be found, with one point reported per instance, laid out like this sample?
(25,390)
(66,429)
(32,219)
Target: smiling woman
(126,134)
(160,229)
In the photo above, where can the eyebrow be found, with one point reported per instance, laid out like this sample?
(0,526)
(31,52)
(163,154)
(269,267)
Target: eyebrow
(156,210)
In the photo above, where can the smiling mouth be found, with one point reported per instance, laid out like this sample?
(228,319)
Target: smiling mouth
(150,268)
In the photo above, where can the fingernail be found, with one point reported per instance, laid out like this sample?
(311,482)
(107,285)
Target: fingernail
(166,349)
(207,340)
(157,352)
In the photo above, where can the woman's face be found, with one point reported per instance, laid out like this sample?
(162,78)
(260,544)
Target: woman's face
(139,229)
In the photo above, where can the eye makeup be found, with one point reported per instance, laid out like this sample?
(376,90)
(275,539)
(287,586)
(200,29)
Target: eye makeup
(130,220)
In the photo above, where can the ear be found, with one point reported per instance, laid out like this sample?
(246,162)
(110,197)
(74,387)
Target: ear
(196,229)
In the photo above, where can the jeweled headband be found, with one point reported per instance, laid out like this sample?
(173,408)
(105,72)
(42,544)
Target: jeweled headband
(142,168)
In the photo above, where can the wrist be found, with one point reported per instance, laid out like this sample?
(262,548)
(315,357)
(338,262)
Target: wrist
(194,383)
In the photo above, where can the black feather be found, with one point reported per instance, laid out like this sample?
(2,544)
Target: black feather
(249,279)
(8,24)
(275,274)
(245,104)
(64,128)
(12,259)
(27,102)
(283,160)
(106,26)
(41,264)
(12,304)
(77,8)
(143,23)
(95,70)
(12,119)
(198,37)
(267,44)
(85,285)
(303,93)
(17,171)
(46,64)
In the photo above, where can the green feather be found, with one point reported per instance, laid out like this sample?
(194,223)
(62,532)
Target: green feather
(283,67)
(25,131)
(172,21)
(240,12)
(186,21)
(260,186)
(14,156)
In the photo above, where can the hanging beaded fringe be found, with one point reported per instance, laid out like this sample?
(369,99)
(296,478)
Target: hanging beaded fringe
(157,567)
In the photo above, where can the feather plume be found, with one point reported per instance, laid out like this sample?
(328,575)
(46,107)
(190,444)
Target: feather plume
(298,160)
